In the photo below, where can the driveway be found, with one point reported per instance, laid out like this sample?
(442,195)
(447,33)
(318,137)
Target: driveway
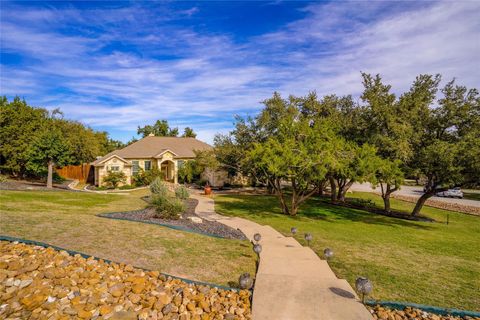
(417,192)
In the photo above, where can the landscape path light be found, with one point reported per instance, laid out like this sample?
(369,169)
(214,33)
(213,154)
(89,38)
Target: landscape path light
(364,286)
(245,281)
(328,253)
(293,230)
(257,248)
(308,238)
(257,237)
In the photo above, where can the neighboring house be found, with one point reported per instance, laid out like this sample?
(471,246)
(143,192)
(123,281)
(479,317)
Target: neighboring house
(163,153)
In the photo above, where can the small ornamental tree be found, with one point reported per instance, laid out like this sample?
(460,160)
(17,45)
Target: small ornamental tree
(114,178)
(47,151)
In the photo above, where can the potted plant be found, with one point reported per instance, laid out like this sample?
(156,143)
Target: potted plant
(207,189)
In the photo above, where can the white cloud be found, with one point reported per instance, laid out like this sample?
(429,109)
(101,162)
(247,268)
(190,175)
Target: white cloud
(208,77)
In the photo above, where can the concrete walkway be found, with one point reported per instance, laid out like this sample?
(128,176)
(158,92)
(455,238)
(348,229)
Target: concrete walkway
(292,282)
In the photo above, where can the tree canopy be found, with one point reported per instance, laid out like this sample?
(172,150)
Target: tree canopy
(30,135)
(295,145)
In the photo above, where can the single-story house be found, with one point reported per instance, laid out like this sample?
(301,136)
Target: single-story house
(163,153)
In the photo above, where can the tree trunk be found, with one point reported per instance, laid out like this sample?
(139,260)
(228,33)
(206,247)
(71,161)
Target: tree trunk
(321,187)
(50,175)
(270,188)
(294,210)
(420,202)
(333,190)
(342,192)
(386,202)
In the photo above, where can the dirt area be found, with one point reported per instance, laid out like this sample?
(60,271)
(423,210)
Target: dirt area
(206,227)
(24,185)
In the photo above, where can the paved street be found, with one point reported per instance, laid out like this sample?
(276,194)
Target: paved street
(417,192)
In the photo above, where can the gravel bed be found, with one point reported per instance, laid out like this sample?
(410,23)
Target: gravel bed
(206,227)
(42,283)
(382,313)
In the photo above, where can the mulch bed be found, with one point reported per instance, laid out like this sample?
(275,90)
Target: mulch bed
(24,185)
(211,228)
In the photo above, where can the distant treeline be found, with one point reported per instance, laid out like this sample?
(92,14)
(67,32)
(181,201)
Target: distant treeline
(32,137)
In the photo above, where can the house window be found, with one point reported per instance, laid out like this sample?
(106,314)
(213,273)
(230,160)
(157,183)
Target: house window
(136,167)
(148,165)
(114,168)
(180,163)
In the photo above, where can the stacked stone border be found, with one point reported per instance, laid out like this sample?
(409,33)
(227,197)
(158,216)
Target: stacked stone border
(86,256)
(431,309)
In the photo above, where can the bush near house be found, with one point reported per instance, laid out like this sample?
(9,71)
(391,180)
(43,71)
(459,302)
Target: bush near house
(168,205)
(114,178)
(145,178)
(181,192)
(158,187)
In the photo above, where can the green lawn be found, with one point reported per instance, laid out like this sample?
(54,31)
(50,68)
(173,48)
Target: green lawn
(421,262)
(67,219)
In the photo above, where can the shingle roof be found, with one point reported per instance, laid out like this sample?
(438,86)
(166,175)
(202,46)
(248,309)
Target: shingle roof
(149,147)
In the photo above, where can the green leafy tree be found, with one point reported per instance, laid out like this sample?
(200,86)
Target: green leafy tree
(230,149)
(159,129)
(354,164)
(188,171)
(20,124)
(295,150)
(47,151)
(389,124)
(107,144)
(189,133)
(389,177)
(446,149)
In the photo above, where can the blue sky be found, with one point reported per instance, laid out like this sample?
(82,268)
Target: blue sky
(114,66)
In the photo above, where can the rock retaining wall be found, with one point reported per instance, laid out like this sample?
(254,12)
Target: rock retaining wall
(441,204)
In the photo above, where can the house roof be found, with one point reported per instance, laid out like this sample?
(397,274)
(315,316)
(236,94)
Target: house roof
(150,146)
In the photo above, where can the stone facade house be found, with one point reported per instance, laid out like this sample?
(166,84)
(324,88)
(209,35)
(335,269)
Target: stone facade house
(163,153)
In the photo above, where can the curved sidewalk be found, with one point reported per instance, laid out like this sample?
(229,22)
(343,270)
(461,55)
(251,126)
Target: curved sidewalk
(292,282)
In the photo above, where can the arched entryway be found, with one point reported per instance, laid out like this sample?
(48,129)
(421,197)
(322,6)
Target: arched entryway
(167,168)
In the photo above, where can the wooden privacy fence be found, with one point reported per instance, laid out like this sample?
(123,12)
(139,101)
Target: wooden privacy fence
(80,172)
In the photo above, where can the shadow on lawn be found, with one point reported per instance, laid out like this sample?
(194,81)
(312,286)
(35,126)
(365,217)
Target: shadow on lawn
(315,209)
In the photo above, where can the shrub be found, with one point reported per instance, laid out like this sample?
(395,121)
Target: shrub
(158,187)
(145,178)
(366,203)
(167,207)
(181,192)
(3,178)
(114,178)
